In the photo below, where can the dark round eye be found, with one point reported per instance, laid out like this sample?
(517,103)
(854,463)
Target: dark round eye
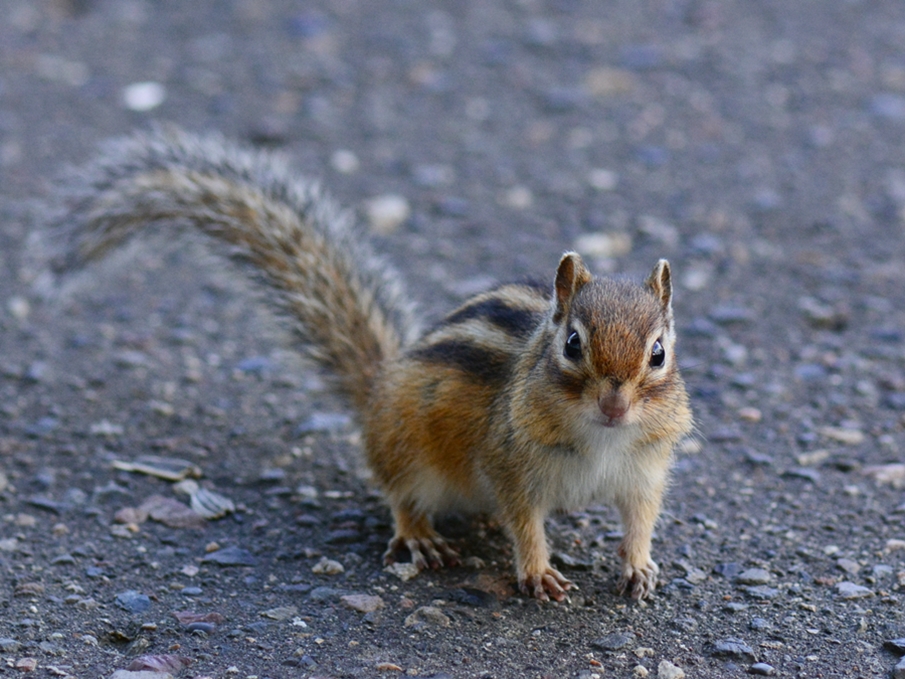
(573,346)
(657,355)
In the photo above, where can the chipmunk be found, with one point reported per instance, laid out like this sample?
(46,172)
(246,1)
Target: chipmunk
(526,399)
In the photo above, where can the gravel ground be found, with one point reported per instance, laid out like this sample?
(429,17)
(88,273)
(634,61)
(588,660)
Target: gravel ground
(760,146)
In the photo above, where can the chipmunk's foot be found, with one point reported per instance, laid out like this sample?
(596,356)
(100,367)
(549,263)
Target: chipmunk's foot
(551,584)
(428,551)
(638,582)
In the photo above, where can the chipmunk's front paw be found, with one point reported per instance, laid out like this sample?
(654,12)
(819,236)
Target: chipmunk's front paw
(639,582)
(431,551)
(544,586)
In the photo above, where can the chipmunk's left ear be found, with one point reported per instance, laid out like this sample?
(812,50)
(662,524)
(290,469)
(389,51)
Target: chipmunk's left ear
(571,276)
(660,283)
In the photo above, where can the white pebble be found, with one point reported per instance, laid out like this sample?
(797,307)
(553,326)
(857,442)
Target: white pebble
(106,428)
(144,96)
(750,414)
(603,180)
(328,567)
(666,670)
(604,245)
(696,278)
(659,230)
(387,213)
(403,570)
(18,307)
(843,435)
(344,161)
(518,198)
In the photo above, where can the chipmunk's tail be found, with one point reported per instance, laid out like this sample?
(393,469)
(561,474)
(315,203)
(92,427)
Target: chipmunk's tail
(347,304)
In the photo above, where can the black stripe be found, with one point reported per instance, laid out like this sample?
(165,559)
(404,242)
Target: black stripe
(515,321)
(486,365)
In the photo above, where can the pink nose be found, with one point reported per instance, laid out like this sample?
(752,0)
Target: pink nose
(613,406)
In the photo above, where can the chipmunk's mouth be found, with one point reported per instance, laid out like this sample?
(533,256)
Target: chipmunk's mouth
(611,422)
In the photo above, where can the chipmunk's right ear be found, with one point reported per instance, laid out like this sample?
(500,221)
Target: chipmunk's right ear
(571,276)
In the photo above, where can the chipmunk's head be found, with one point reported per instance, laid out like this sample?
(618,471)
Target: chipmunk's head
(613,341)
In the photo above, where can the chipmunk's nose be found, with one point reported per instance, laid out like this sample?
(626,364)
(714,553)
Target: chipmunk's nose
(613,406)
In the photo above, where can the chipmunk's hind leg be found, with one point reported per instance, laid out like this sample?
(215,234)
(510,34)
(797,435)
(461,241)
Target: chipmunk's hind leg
(415,533)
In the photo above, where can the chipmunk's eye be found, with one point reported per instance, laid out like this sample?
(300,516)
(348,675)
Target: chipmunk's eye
(573,346)
(657,355)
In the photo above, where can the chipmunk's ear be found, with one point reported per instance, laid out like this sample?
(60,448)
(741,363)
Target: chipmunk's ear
(571,276)
(660,283)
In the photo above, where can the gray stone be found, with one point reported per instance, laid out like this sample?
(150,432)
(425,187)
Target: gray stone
(761,592)
(231,556)
(754,576)
(732,649)
(899,670)
(133,602)
(428,615)
(762,669)
(849,590)
(8,645)
(848,565)
(612,642)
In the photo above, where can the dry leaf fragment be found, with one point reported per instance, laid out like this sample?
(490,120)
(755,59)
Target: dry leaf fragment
(210,505)
(171,512)
(167,468)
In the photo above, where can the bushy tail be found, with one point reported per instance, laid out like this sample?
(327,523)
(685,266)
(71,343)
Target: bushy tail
(346,303)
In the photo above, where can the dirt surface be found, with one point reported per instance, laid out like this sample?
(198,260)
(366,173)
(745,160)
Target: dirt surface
(760,146)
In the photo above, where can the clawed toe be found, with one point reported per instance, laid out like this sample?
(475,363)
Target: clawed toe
(426,552)
(544,586)
(638,582)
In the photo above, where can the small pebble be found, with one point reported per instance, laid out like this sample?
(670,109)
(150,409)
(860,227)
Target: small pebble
(845,436)
(613,642)
(144,96)
(849,566)
(732,648)
(849,590)
(18,307)
(344,161)
(428,615)
(750,414)
(231,556)
(280,613)
(387,213)
(363,603)
(604,245)
(518,198)
(603,180)
(26,664)
(133,602)
(328,567)
(640,671)
(8,645)
(604,81)
(667,670)
(761,592)
(754,576)
(403,570)
(762,669)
